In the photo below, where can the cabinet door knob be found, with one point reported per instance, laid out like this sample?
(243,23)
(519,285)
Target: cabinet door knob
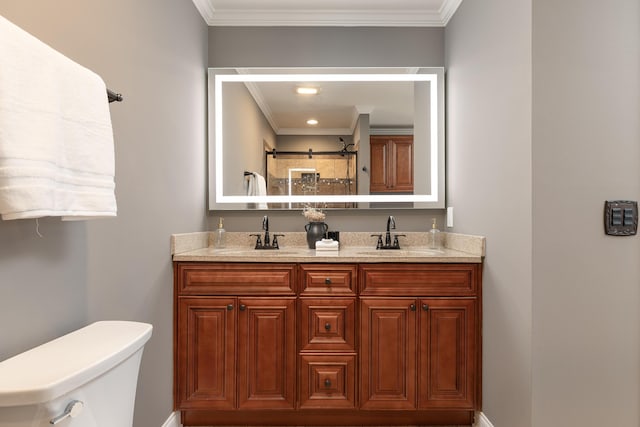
(327,326)
(412,307)
(243,307)
(425,307)
(230,307)
(327,281)
(327,382)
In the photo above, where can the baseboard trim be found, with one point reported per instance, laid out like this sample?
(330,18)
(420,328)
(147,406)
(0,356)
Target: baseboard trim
(173,420)
(482,420)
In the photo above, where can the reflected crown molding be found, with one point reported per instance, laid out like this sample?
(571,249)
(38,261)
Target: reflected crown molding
(436,13)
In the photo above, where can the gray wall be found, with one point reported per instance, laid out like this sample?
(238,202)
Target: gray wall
(586,149)
(326,46)
(247,129)
(542,129)
(154,52)
(488,48)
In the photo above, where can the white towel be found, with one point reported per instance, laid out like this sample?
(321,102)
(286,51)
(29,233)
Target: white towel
(327,245)
(257,187)
(56,140)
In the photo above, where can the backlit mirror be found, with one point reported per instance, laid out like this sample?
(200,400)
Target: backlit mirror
(285,138)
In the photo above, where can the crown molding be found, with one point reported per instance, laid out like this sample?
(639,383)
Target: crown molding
(447,10)
(254,90)
(327,18)
(206,10)
(320,18)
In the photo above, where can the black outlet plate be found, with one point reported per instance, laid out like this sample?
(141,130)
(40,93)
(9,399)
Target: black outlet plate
(621,217)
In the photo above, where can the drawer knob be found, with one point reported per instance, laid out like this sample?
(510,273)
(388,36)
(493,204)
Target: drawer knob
(327,383)
(327,281)
(230,307)
(425,307)
(327,326)
(243,307)
(412,307)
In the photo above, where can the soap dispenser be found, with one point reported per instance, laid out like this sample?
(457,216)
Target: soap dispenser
(435,238)
(220,235)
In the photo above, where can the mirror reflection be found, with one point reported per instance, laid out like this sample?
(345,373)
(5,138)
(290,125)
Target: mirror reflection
(329,138)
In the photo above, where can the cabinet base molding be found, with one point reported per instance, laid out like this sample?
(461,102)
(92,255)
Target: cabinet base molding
(326,418)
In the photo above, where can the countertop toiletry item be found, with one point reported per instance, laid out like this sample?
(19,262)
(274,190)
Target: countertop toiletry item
(220,235)
(434,235)
(327,245)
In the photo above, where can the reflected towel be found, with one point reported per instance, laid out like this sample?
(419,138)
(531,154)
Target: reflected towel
(257,187)
(56,141)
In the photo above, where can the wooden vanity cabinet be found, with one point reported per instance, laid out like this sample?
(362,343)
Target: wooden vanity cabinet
(420,349)
(327,343)
(327,336)
(417,353)
(235,336)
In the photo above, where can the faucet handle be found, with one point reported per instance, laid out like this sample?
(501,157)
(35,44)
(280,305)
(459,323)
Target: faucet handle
(274,242)
(396,243)
(258,240)
(379,243)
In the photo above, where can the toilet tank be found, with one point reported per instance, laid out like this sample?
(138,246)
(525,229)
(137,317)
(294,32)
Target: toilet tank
(97,366)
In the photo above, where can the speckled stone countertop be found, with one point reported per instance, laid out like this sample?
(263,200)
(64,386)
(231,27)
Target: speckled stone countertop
(354,247)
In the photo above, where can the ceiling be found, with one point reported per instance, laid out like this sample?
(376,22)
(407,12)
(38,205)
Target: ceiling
(350,13)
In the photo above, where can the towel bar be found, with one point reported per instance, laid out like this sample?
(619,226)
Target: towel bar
(114,96)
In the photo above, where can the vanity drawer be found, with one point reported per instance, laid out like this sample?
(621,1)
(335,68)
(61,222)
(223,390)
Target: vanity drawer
(235,279)
(327,381)
(324,279)
(419,279)
(327,324)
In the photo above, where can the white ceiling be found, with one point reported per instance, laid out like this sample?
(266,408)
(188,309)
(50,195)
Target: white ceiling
(350,13)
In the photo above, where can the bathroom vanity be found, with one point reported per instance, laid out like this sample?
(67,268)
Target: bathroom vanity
(359,337)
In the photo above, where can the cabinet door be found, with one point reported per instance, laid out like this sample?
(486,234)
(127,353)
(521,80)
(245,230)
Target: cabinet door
(205,360)
(378,175)
(447,369)
(266,353)
(388,353)
(402,168)
(391,164)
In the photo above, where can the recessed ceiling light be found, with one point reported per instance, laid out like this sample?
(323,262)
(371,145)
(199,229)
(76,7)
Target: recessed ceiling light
(307,90)
(312,122)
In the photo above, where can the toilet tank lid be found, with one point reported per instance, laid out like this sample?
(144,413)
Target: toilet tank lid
(59,366)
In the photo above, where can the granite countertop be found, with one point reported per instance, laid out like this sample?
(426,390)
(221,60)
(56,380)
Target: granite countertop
(356,247)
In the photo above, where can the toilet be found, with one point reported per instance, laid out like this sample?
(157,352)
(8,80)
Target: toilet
(86,378)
